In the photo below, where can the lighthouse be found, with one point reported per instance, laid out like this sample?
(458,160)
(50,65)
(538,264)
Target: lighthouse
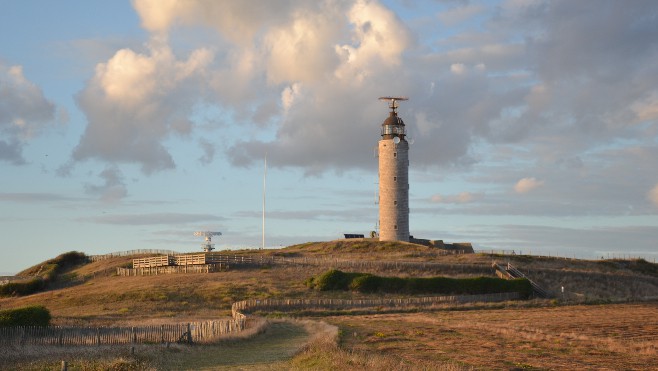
(393,153)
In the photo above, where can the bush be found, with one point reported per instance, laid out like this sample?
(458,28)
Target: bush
(332,280)
(27,316)
(369,283)
(47,273)
(366,283)
(22,288)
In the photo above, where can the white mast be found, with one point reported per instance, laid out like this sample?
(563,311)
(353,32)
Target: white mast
(264,177)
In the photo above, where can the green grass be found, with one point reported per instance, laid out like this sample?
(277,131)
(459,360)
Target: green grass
(370,283)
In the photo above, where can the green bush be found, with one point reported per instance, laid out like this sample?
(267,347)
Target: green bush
(22,288)
(366,283)
(369,283)
(47,273)
(332,280)
(27,316)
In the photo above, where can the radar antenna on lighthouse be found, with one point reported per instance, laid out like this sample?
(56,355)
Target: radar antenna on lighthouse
(393,102)
(208,246)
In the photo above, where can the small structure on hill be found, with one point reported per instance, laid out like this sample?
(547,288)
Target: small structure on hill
(207,246)
(458,247)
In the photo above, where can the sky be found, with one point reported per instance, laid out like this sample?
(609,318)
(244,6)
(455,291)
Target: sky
(130,125)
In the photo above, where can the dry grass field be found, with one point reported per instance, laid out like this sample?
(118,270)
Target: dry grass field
(574,331)
(597,337)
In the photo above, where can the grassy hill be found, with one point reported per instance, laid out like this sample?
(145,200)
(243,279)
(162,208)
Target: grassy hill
(85,292)
(92,292)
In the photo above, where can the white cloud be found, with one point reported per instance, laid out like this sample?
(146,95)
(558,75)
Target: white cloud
(135,101)
(532,75)
(24,112)
(526,185)
(653,195)
(302,51)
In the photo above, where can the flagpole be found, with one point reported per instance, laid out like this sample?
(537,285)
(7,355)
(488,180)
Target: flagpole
(264,178)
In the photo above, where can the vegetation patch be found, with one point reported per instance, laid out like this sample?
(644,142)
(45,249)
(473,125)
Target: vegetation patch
(44,274)
(369,283)
(22,288)
(27,316)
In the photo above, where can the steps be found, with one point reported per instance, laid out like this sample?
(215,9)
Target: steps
(510,272)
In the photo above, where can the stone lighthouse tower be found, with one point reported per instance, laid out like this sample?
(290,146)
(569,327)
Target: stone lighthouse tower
(393,154)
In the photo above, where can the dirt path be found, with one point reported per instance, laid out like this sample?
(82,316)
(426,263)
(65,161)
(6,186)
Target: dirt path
(268,351)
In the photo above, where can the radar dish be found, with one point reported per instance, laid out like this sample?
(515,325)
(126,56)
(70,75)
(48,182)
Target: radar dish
(208,246)
(392,101)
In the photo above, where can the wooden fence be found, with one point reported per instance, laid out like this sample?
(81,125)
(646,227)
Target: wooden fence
(153,261)
(251,305)
(131,252)
(607,256)
(211,331)
(216,262)
(197,332)
(153,271)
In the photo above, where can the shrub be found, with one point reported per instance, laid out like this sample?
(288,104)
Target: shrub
(27,316)
(47,273)
(22,288)
(366,283)
(369,283)
(332,280)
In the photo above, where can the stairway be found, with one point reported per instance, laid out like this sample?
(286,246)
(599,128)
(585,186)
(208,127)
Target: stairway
(510,272)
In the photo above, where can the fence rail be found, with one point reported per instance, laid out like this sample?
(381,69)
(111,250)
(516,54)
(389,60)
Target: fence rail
(131,252)
(195,332)
(607,256)
(153,271)
(251,305)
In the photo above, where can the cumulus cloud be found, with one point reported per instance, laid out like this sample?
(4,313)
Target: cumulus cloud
(24,112)
(526,185)
(311,72)
(137,100)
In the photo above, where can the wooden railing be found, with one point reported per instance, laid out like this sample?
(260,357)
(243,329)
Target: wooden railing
(154,261)
(539,291)
(252,305)
(195,332)
(212,331)
(153,271)
(94,258)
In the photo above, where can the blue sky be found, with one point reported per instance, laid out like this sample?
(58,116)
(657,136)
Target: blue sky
(128,125)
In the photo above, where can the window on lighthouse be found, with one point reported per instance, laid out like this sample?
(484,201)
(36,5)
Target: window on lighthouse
(395,202)
(395,154)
